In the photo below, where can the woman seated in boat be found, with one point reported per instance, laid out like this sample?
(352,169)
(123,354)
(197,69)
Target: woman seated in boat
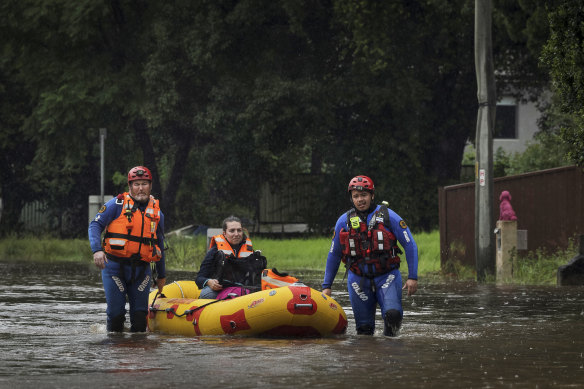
(230,265)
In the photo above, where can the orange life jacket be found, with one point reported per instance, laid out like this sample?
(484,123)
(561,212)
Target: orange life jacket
(133,233)
(370,247)
(272,279)
(245,250)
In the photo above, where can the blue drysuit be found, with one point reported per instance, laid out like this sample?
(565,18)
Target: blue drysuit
(120,278)
(388,287)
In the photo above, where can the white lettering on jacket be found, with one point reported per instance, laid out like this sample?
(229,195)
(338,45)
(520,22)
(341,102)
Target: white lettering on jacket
(406,236)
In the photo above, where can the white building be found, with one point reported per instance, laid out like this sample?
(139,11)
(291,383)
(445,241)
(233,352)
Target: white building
(515,124)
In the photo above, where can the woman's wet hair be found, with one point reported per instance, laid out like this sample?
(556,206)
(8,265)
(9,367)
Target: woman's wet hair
(230,219)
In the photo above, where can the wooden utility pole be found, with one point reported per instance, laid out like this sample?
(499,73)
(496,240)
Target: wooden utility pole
(484,237)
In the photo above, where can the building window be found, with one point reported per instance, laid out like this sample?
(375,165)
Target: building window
(506,120)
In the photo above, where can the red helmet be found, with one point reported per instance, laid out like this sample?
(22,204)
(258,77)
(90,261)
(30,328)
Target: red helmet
(139,173)
(361,183)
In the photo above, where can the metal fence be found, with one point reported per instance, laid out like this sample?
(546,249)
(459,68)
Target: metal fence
(285,204)
(549,205)
(34,217)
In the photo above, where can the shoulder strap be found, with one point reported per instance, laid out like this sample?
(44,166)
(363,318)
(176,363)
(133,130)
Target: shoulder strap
(385,212)
(351,213)
(381,216)
(120,199)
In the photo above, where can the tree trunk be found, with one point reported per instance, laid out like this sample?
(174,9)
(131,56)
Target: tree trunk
(183,138)
(11,209)
(149,158)
(14,187)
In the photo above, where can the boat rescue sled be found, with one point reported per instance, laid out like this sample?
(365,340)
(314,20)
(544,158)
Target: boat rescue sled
(295,310)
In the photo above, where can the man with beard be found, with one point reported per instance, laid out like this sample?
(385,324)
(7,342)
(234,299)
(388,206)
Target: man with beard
(134,238)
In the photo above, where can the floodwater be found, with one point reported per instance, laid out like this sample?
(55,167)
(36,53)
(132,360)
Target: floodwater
(463,335)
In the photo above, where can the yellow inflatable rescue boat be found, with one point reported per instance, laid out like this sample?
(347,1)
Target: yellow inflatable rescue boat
(295,310)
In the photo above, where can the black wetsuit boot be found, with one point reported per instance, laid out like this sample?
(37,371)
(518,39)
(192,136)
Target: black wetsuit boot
(365,330)
(116,324)
(393,320)
(138,321)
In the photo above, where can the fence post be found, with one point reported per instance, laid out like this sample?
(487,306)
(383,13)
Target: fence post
(506,232)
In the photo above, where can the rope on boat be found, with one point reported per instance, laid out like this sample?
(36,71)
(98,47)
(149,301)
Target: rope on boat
(182,293)
(187,311)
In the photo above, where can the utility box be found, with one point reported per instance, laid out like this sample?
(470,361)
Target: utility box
(506,243)
(95,204)
(521,239)
(211,232)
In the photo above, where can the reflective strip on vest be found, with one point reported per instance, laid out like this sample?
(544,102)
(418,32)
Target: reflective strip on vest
(274,281)
(380,239)
(224,245)
(352,246)
(117,242)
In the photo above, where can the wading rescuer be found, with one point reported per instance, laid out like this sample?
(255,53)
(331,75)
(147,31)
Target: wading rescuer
(134,238)
(365,240)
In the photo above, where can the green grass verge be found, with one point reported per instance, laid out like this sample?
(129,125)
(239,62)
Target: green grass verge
(538,268)
(541,267)
(293,254)
(44,249)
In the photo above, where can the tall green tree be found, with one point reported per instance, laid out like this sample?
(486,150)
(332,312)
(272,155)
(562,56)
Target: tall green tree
(417,60)
(250,80)
(563,56)
(59,55)
(218,97)
(16,150)
(82,64)
(520,30)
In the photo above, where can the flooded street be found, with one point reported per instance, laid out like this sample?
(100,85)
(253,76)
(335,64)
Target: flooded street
(52,334)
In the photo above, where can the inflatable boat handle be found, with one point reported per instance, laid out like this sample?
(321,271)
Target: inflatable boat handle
(154,300)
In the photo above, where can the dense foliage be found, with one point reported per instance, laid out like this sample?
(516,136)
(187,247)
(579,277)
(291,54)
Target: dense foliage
(220,96)
(563,56)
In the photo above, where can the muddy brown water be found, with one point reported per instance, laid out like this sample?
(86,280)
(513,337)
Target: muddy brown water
(467,335)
